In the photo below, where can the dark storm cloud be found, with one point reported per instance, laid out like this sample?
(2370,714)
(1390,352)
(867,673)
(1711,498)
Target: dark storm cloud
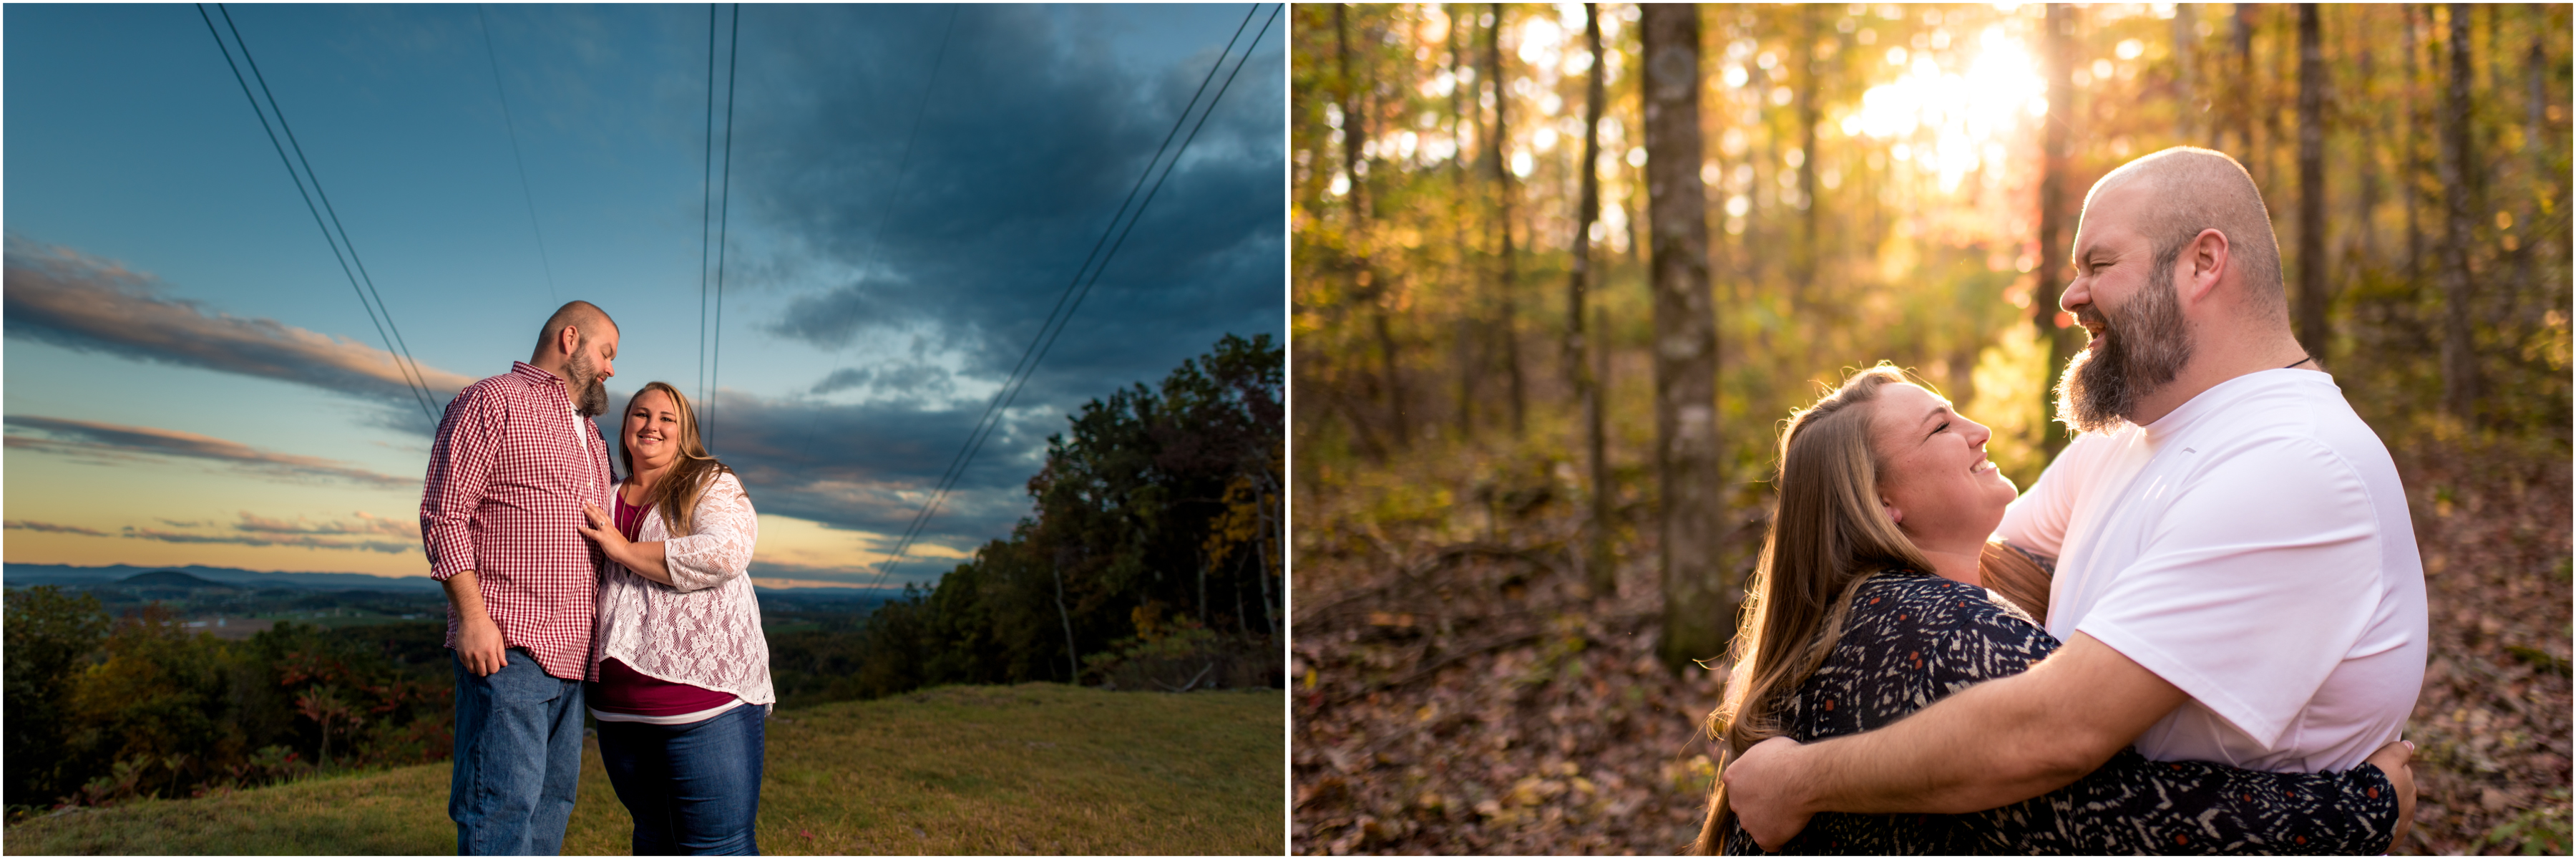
(116,441)
(59,295)
(1035,130)
(869,467)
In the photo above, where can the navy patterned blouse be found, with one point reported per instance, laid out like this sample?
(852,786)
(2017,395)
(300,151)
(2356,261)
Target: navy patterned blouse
(1912,639)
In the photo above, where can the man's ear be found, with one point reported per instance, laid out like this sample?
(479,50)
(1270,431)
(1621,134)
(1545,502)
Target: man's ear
(567,339)
(2203,264)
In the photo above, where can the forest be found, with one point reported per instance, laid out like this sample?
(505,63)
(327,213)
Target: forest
(1152,563)
(1560,272)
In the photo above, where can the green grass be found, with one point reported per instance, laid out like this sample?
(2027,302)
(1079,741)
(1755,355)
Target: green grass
(1036,768)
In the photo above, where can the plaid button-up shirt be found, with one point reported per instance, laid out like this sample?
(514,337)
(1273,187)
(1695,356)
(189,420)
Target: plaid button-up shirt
(508,473)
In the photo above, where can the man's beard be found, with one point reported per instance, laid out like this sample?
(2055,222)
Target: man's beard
(2142,346)
(590,395)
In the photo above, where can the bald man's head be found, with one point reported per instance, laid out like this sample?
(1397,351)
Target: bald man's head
(583,317)
(2192,189)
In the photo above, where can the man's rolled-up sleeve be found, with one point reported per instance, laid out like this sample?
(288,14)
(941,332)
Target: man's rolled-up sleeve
(460,463)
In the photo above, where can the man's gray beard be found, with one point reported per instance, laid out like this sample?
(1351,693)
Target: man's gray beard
(2141,348)
(591,399)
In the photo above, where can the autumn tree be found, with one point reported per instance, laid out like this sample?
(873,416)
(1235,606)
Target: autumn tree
(1699,612)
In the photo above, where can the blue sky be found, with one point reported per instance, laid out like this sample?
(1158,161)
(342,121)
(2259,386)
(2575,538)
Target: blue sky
(190,379)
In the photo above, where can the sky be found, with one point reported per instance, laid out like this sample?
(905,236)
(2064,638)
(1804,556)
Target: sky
(190,377)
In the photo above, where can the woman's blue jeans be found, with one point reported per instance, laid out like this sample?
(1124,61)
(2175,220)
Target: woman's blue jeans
(694,789)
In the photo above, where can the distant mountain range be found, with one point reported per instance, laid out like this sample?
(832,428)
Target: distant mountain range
(24,575)
(170,579)
(27,575)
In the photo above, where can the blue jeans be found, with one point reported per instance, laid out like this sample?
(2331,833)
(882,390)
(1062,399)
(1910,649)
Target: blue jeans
(694,789)
(518,758)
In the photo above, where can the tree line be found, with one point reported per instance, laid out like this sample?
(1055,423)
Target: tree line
(1152,562)
(1153,559)
(1631,238)
(102,710)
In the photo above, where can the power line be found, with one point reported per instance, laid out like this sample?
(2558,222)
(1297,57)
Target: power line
(1056,321)
(724,212)
(965,451)
(1072,300)
(515,157)
(706,202)
(377,314)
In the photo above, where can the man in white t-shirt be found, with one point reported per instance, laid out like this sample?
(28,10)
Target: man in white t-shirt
(2237,579)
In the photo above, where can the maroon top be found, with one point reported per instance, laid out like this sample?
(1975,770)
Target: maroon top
(508,472)
(624,690)
(630,518)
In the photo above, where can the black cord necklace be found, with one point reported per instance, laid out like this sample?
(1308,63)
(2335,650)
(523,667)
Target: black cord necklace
(2300,361)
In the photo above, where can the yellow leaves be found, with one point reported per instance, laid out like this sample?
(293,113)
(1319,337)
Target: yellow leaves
(1241,523)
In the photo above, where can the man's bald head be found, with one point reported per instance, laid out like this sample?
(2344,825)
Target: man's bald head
(585,318)
(2192,189)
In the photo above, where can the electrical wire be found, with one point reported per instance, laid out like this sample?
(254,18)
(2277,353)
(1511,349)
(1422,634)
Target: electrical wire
(377,314)
(983,422)
(724,211)
(1075,293)
(512,125)
(706,203)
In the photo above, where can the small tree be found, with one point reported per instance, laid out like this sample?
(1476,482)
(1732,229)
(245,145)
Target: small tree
(323,705)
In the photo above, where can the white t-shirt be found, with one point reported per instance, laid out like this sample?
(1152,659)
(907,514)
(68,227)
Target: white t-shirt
(2253,549)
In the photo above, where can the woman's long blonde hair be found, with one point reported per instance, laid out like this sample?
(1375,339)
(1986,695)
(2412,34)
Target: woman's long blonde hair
(677,493)
(1829,534)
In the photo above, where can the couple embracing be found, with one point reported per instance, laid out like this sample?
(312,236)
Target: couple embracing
(574,590)
(2200,631)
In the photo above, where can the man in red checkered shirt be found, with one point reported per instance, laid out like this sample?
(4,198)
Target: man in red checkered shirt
(515,459)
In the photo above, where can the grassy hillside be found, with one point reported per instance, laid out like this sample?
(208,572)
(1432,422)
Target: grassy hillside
(1037,768)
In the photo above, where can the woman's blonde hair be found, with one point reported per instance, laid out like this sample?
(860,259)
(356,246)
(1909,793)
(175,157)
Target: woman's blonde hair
(1829,534)
(677,493)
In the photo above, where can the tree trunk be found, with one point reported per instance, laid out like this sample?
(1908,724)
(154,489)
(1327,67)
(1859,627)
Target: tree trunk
(1605,575)
(1072,657)
(2312,331)
(2364,239)
(1587,211)
(1699,604)
(1365,285)
(2186,47)
(1272,530)
(1604,580)
(2535,140)
(1810,235)
(1242,619)
(1462,123)
(2459,368)
(2411,173)
(2058,65)
(2241,113)
(1505,327)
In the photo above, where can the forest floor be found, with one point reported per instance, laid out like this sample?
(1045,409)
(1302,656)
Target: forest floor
(1457,688)
(1037,768)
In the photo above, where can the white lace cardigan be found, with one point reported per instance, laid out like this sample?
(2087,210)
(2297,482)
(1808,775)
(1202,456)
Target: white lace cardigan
(704,628)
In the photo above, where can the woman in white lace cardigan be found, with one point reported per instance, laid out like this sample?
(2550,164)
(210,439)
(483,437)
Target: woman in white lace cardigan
(679,669)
